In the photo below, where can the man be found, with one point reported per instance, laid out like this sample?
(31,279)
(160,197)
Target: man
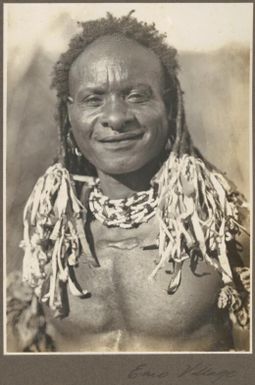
(130,239)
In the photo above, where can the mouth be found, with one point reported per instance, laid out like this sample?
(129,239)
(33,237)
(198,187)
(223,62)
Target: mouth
(119,138)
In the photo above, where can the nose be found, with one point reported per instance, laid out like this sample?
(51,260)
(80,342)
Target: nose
(116,115)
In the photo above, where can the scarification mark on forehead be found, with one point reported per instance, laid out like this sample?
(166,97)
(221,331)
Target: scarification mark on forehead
(105,71)
(107,62)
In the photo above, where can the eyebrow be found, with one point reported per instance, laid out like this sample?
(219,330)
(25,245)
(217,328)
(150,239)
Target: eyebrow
(100,89)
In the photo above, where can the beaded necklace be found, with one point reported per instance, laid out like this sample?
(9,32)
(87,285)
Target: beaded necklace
(126,213)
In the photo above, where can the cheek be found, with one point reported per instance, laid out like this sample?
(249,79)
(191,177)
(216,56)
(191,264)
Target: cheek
(154,120)
(82,126)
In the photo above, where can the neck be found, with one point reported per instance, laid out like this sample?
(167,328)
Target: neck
(125,185)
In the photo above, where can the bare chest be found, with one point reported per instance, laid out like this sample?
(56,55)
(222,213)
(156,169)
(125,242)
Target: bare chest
(124,298)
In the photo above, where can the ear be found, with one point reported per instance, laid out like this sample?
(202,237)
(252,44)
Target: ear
(170,113)
(69,105)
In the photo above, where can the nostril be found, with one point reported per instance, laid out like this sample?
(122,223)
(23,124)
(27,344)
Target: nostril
(118,121)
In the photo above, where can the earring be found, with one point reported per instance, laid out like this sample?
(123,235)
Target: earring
(72,146)
(77,152)
(169,143)
(69,99)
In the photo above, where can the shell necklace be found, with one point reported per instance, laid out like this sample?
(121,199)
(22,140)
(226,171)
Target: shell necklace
(126,213)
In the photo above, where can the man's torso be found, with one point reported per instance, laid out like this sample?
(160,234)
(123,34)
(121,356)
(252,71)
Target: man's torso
(129,312)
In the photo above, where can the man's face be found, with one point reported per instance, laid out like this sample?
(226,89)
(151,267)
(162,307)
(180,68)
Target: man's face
(118,116)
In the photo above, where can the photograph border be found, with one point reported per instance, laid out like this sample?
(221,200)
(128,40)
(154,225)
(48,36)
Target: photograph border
(114,368)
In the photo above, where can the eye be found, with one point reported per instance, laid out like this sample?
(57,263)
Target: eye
(139,96)
(92,101)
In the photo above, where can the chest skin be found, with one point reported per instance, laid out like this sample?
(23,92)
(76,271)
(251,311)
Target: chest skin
(128,312)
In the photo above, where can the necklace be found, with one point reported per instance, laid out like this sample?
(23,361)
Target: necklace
(126,213)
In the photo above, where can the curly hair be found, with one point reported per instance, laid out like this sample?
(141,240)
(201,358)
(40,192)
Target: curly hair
(146,35)
(128,26)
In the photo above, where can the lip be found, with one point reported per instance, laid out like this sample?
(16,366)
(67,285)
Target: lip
(119,138)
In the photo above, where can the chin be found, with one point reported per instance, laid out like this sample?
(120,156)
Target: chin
(123,167)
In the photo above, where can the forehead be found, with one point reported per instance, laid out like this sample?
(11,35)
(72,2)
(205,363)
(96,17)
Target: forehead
(115,58)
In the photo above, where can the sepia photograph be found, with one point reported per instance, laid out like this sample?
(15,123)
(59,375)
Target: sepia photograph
(127,174)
